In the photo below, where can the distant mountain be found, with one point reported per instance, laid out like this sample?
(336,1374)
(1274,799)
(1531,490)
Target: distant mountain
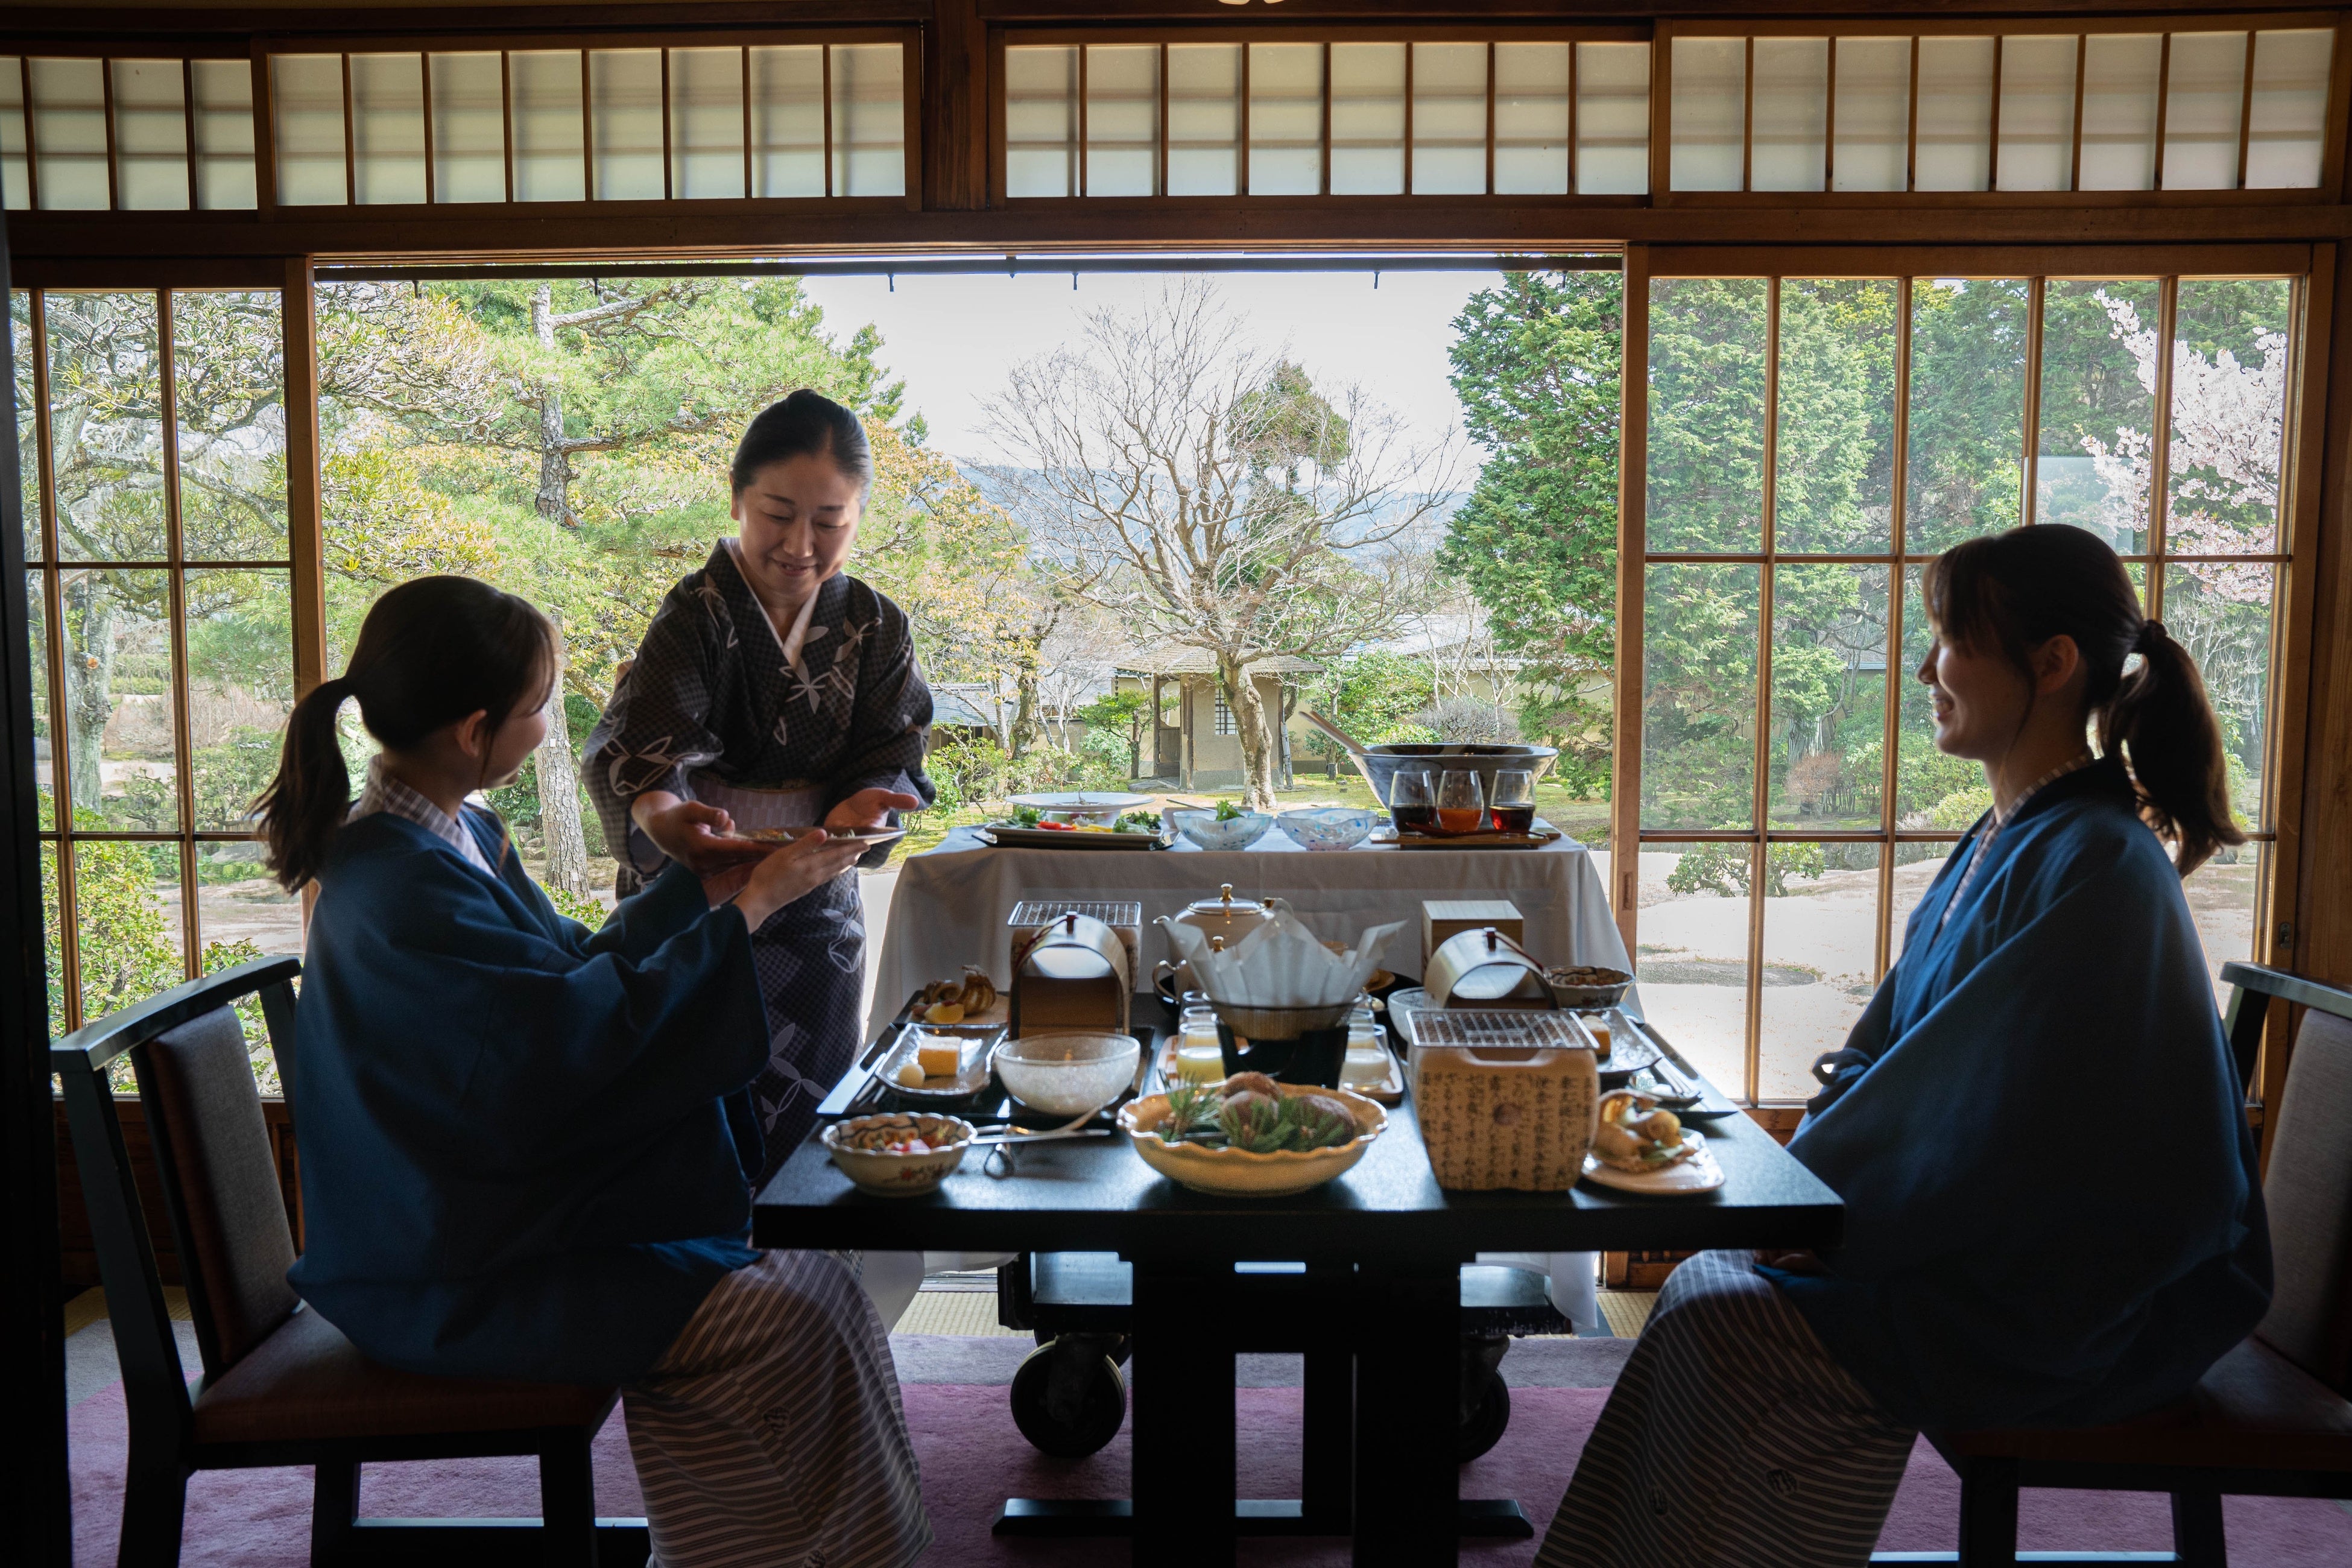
(1001,486)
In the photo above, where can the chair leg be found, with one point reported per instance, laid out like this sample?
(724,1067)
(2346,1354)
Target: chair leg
(1988,1514)
(155,1502)
(2197,1538)
(567,1501)
(335,1510)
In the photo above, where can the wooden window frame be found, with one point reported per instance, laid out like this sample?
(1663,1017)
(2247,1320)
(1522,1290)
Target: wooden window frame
(2310,268)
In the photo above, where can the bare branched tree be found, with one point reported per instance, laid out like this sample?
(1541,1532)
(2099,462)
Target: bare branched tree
(1199,488)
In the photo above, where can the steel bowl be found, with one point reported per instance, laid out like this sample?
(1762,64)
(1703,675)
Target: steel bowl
(1381,764)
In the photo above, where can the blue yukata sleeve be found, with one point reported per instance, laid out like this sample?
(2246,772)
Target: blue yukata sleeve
(2051,1213)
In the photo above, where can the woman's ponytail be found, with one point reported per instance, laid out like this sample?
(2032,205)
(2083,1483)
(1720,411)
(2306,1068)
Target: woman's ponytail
(431,652)
(312,792)
(2160,719)
(2010,592)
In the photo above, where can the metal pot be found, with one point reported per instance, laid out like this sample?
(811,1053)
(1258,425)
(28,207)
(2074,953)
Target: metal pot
(1381,764)
(1224,919)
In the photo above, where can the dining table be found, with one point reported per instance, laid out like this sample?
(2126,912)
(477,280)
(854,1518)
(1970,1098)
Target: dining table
(1361,1274)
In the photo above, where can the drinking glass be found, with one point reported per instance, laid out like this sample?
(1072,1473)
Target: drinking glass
(1461,803)
(1410,806)
(1514,802)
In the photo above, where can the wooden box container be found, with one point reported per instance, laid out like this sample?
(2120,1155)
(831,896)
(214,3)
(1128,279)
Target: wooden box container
(1499,1116)
(1443,918)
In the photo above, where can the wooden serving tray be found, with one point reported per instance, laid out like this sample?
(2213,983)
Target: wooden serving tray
(1544,833)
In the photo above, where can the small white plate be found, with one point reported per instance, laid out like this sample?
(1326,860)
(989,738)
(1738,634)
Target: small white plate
(1699,1173)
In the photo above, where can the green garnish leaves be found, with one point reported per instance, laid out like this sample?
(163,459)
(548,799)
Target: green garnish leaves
(1228,812)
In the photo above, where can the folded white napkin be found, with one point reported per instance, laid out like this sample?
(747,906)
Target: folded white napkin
(1281,964)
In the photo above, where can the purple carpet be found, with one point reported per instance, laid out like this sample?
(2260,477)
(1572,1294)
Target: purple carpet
(971,1458)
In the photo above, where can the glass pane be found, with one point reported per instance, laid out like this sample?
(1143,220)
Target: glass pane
(788,119)
(1934,792)
(2121,72)
(388,128)
(1968,409)
(2222,894)
(2290,108)
(1833,484)
(241,688)
(1955,151)
(469,128)
(2037,113)
(1449,119)
(151,136)
(1829,695)
(1041,122)
(1531,99)
(548,165)
(2098,407)
(229,380)
(242,914)
(307,103)
(1612,120)
(28,431)
(126,922)
(15,171)
(1874,115)
(53,943)
(869,120)
(2221,612)
(1706,413)
(1820,959)
(1123,120)
(2204,88)
(224,116)
(70,133)
(1699,697)
(1368,120)
(706,124)
(43,766)
(1204,118)
(625,118)
(2228,415)
(1915,866)
(120,719)
(1286,120)
(106,424)
(1791,114)
(1710,111)
(1692,960)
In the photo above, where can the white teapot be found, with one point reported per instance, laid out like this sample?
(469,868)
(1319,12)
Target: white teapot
(1224,920)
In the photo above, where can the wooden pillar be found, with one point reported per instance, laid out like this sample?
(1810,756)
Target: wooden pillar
(305,510)
(1185,731)
(955,109)
(2318,942)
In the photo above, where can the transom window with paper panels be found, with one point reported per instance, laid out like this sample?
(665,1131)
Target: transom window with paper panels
(1811,443)
(657,121)
(2209,108)
(151,436)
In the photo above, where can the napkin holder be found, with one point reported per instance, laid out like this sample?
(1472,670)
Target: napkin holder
(1074,975)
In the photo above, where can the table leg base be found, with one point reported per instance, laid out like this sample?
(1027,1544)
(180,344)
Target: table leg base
(1050,1519)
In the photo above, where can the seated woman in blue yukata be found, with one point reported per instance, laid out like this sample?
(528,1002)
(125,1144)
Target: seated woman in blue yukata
(2009,1260)
(524,1145)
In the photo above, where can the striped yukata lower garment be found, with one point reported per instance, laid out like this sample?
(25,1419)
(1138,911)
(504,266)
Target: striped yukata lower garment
(770,1436)
(1731,1438)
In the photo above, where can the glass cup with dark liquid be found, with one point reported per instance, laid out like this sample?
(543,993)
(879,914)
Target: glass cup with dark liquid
(1409,804)
(1513,806)
(1461,803)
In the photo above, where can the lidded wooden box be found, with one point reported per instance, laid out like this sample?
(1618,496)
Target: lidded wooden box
(1073,972)
(1506,1100)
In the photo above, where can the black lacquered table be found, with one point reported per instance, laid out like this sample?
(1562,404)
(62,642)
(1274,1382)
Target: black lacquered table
(1375,1309)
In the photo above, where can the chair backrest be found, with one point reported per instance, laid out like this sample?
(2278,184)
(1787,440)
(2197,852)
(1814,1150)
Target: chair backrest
(228,1213)
(203,1158)
(2308,1192)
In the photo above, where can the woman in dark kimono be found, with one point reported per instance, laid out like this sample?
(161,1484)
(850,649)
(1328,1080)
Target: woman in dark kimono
(774,690)
(2014,1256)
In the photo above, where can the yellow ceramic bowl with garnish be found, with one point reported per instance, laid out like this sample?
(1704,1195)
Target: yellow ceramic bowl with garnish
(1239,1172)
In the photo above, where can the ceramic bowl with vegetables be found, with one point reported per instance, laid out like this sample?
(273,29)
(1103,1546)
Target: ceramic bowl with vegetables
(1328,826)
(898,1155)
(1250,1136)
(1227,827)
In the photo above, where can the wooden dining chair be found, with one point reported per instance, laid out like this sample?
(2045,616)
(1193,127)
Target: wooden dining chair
(2271,1418)
(281,1385)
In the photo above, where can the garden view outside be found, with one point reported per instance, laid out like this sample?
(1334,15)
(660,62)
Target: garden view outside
(565,439)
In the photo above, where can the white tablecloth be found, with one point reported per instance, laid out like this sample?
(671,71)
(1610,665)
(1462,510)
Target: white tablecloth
(950,904)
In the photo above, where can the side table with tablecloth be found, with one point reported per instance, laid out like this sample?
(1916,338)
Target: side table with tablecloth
(951,902)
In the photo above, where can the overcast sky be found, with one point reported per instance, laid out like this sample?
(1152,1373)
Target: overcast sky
(952,339)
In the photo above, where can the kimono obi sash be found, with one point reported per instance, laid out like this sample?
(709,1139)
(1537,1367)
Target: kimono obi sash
(791,804)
